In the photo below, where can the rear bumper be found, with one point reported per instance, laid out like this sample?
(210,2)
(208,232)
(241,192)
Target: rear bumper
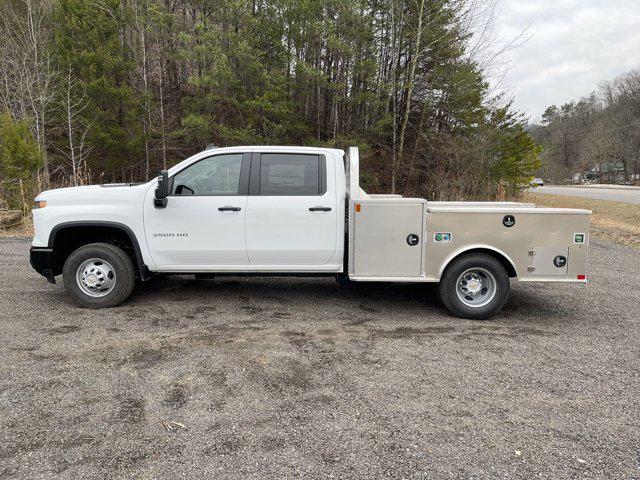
(42,261)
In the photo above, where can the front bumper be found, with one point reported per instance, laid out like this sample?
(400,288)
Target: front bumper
(42,261)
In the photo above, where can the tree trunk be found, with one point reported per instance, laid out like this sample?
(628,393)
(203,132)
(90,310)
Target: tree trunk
(410,81)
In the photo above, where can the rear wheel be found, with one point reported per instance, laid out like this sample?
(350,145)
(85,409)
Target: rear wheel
(99,275)
(474,286)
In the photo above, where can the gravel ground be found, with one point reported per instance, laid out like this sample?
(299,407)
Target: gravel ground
(280,378)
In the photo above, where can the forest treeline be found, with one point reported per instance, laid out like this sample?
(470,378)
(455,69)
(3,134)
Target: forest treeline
(596,136)
(114,90)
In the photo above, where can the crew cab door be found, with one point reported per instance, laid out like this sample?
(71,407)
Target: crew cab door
(203,224)
(291,210)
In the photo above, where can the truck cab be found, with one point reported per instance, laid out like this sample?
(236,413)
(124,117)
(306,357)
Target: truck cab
(298,211)
(262,210)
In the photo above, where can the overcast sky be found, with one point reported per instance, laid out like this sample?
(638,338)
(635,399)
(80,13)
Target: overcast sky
(574,45)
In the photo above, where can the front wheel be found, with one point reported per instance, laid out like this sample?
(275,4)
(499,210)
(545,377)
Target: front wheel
(474,286)
(99,275)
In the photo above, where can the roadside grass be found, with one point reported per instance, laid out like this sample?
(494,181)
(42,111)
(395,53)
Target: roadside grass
(25,229)
(615,221)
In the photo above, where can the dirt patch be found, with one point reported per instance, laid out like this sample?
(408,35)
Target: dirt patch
(62,329)
(177,397)
(405,332)
(224,446)
(131,410)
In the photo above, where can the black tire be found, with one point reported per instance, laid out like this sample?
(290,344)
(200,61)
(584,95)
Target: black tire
(125,275)
(448,283)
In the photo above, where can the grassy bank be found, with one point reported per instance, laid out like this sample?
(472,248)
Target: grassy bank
(615,221)
(25,229)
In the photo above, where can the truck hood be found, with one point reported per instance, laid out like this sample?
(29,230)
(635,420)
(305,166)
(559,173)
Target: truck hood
(90,194)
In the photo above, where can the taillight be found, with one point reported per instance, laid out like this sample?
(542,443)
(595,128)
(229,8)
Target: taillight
(582,277)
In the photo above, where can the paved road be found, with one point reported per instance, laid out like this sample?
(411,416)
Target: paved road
(299,378)
(614,194)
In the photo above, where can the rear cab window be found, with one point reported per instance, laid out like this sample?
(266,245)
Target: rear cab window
(292,174)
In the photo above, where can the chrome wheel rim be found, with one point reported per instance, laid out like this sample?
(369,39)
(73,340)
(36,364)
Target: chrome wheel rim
(96,277)
(476,287)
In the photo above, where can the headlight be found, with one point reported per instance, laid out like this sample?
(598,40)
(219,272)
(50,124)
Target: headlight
(39,204)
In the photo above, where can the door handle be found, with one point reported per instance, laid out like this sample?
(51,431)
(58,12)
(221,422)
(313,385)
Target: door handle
(229,209)
(320,209)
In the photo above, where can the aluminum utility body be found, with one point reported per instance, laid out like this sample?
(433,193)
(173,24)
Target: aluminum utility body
(299,211)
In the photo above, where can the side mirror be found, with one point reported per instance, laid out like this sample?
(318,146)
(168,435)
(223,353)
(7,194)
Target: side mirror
(162,191)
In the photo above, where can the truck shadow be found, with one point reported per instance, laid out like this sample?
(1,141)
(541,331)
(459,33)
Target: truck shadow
(286,297)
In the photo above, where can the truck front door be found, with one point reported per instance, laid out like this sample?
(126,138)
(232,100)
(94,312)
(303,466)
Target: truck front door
(203,224)
(291,210)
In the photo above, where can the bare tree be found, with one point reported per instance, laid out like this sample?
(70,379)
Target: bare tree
(142,25)
(415,55)
(76,128)
(28,72)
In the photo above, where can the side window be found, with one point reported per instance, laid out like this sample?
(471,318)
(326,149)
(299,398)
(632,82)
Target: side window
(217,175)
(291,174)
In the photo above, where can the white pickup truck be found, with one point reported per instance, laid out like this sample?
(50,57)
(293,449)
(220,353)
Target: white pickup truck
(298,211)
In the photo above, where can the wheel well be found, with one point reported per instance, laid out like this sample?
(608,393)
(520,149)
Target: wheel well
(508,266)
(66,240)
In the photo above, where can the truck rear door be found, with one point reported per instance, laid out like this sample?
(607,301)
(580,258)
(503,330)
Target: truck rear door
(291,210)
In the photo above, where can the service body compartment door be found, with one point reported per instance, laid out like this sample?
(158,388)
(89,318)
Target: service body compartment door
(387,239)
(550,261)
